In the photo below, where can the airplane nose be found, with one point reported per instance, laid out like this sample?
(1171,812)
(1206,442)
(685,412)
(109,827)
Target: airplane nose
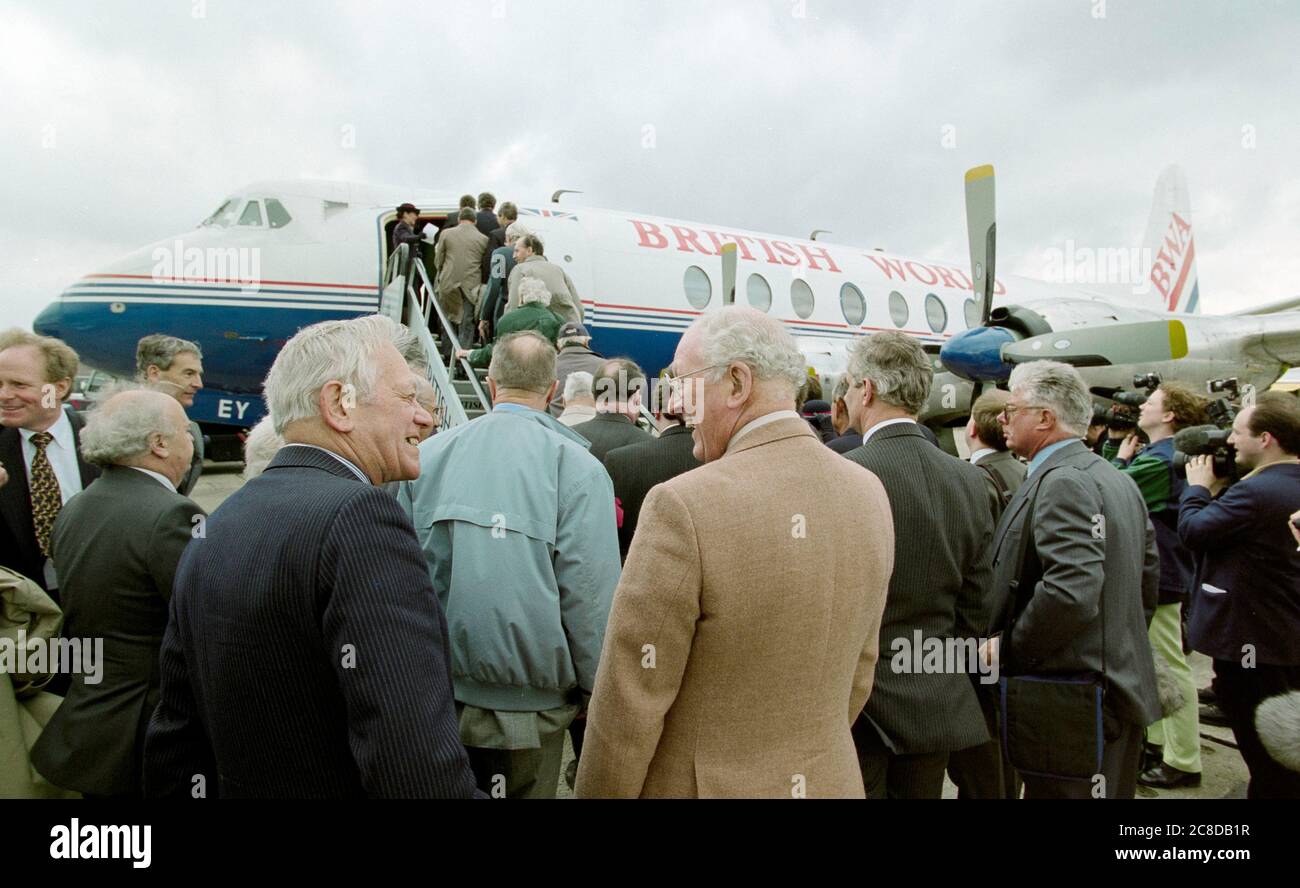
(976,354)
(47,322)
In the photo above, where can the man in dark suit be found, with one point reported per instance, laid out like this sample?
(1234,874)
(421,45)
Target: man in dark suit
(617,385)
(306,653)
(635,468)
(174,367)
(1245,602)
(115,546)
(497,236)
(846,436)
(486,221)
(1003,472)
(1086,608)
(940,586)
(979,772)
(38,451)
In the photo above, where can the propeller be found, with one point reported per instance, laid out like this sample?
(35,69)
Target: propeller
(981,230)
(1143,342)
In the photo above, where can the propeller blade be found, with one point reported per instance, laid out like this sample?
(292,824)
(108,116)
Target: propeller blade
(729,259)
(1145,342)
(981,230)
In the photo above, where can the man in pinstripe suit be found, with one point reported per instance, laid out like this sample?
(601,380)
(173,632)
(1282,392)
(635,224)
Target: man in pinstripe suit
(941,582)
(306,654)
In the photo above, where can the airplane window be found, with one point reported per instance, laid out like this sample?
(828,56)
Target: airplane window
(698,288)
(898,311)
(759,293)
(973,311)
(936,314)
(276,214)
(852,304)
(224,215)
(252,214)
(801,297)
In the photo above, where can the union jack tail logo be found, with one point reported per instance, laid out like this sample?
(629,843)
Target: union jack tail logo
(549,214)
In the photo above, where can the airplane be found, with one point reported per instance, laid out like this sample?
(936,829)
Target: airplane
(278,255)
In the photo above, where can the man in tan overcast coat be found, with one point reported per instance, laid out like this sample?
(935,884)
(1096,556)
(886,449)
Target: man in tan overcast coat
(743,638)
(457,259)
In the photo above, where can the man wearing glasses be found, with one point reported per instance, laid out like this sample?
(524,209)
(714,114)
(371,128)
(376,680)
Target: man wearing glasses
(1087,577)
(731,669)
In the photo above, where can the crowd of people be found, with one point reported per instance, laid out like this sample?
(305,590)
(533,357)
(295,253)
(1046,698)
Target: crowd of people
(742,602)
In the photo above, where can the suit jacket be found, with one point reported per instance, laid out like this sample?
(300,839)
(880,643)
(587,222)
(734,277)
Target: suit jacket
(850,440)
(609,431)
(115,546)
(487,222)
(940,587)
(760,666)
(1247,588)
(457,259)
(635,468)
(1095,541)
(496,240)
(565,301)
(306,651)
(19,550)
(1010,471)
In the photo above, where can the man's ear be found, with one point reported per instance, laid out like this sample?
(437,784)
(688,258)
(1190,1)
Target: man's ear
(492,389)
(336,408)
(970,427)
(550,392)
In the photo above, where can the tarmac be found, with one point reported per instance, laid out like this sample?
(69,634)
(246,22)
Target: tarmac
(1223,772)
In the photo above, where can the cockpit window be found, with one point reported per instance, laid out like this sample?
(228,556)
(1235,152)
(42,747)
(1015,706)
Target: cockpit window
(252,214)
(224,216)
(276,215)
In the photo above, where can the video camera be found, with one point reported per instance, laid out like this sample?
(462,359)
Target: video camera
(1212,440)
(1122,415)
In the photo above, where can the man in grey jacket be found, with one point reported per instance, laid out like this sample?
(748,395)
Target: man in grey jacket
(531,263)
(574,343)
(516,520)
(1086,606)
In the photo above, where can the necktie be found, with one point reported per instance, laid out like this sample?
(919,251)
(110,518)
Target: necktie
(46,497)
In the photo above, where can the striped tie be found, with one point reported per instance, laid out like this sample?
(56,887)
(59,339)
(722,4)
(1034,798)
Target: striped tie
(46,496)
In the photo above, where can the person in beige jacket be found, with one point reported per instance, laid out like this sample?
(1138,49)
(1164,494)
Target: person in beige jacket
(742,642)
(457,259)
(530,262)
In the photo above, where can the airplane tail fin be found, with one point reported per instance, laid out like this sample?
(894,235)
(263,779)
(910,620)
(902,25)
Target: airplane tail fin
(1169,249)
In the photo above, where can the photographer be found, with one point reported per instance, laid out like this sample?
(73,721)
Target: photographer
(1169,408)
(1245,603)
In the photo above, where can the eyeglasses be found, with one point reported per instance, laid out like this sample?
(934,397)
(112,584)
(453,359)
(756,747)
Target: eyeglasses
(1010,410)
(674,382)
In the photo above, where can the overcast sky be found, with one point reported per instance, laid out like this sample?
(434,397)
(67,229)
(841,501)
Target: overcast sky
(128,122)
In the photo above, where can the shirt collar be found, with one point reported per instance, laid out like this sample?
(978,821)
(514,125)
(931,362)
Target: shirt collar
(61,430)
(512,408)
(360,474)
(1281,462)
(980,454)
(866,436)
(157,476)
(1041,456)
(759,422)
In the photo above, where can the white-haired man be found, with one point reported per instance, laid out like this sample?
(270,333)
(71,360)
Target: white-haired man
(516,521)
(579,399)
(116,546)
(1076,580)
(174,367)
(532,314)
(307,654)
(730,667)
(940,587)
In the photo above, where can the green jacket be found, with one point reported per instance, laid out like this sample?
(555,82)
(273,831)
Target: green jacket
(516,520)
(526,317)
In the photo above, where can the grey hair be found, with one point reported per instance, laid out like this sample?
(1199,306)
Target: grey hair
(898,367)
(330,351)
(565,341)
(523,360)
(412,351)
(578,385)
(114,433)
(160,350)
(841,388)
(534,290)
(516,230)
(744,334)
(1058,387)
(260,447)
